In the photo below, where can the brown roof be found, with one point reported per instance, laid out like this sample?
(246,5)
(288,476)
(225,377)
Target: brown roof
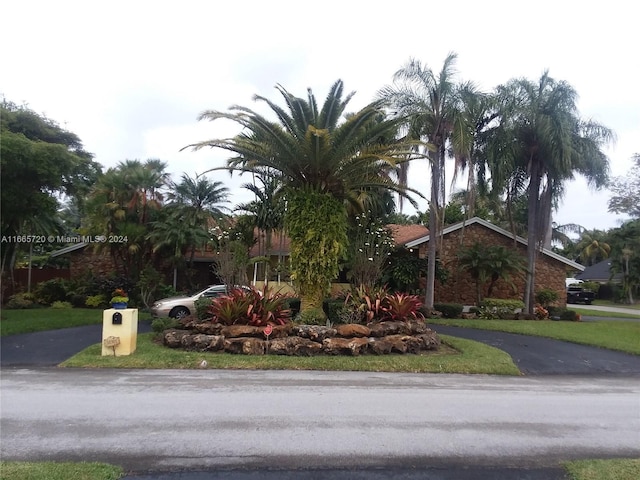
(405,233)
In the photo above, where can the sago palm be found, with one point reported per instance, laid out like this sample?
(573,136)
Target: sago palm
(323,161)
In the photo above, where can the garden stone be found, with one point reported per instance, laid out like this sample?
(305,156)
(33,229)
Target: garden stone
(380,346)
(235,331)
(294,346)
(430,340)
(317,333)
(418,326)
(384,329)
(351,330)
(344,346)
(204,342)
(172,338)
(208,328)
(398,343)
(246,346)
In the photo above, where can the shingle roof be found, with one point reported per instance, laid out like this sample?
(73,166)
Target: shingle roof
(599,272)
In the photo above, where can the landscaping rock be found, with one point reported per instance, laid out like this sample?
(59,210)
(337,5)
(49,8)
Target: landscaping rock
(244,345)
(235,331)
(380,346)
(430,340)
(172,338)
(344,346)
(208,328)
(384,329)
(203,342)
(316,333)
(296,346)
(351,330)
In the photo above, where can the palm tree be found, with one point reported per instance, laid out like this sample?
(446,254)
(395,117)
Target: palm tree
(489,263)
(426,103)
(592,247)
(545,140)
(321,163)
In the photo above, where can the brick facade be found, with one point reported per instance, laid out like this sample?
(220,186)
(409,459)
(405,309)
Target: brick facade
(461,288)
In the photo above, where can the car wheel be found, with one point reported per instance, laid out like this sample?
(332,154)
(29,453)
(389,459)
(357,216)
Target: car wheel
(179,312)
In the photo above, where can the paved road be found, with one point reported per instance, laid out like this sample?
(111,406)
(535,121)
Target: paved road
(162,419)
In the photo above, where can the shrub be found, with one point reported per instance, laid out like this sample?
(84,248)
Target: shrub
(540,312)
(312,316)
(402,307)
(546,297)
(53,290)
(21,301)
(293,304)
(492,308)
(96,301)
(334,309)
(366,305)
(250,307)
(570,315)
(202,308)
(159,325)
(78,300)
(449,310)
(61,305)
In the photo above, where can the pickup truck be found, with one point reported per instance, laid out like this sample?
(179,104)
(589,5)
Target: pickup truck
(577,294)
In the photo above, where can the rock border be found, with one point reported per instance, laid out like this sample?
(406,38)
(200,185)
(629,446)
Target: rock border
(379,338)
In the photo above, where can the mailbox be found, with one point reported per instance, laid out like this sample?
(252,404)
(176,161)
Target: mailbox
(116,319)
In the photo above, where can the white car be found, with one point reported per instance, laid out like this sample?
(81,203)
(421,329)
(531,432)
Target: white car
(571,281)
(184,305)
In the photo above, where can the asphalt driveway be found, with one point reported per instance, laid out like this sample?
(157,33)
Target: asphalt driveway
(532,355)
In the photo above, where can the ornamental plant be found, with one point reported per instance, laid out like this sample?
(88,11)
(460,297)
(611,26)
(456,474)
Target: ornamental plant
(250,307)
(119,296)
(370,304)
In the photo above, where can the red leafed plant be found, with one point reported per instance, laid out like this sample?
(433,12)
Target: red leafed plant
(402,306)
(250,307)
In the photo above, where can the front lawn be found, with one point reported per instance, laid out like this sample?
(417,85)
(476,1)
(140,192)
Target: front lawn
(456,356)
(59,471)
(614,469)
(614,335)
(40,319)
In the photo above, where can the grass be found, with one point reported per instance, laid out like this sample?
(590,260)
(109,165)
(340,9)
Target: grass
(602,313)
(614,335)
(58,471)
(609,303)
(41,319)
(616,469)
(455,356)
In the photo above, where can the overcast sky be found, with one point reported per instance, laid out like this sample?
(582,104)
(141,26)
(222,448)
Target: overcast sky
(130,77)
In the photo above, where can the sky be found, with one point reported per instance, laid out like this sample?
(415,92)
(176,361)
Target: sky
(130,77)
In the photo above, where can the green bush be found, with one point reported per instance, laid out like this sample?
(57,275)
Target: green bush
(202,308)
(53,290)
(21,301)
(250,307)
(570,315)
(334,309)
(592,287)
(498,308)
(546,297)
(312,316)
(159,325)
(61,305)
(96,301)
(449,310)
(78,300)
(293,304)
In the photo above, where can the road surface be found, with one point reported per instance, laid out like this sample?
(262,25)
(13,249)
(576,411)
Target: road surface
(178,419)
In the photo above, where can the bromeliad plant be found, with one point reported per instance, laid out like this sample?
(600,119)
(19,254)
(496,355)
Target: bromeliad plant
(250,307)
(119,296)
(377,305)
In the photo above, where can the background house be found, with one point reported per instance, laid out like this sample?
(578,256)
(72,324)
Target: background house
(551,268)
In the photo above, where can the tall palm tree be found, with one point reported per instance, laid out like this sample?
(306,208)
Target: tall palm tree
(322,163)
(545,139)
(426,102)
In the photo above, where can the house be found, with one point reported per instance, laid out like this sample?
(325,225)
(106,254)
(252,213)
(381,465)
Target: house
(600,272)
(551,268)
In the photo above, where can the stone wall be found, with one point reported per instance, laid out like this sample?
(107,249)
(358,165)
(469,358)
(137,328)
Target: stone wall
(461,288)
(304,340)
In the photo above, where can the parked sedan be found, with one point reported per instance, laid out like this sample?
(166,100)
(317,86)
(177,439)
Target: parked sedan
(183,305)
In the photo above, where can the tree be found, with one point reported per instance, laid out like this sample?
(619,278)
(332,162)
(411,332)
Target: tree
(426,103)
(544,139)
(626,198)
(592,247)
(40,162)
(625,256)
(322,163)
(489,263)
(123,204)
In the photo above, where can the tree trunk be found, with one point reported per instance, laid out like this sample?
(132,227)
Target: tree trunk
(434,230)
(532,241)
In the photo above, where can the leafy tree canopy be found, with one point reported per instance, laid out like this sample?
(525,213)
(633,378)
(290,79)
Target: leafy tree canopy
(626,189)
